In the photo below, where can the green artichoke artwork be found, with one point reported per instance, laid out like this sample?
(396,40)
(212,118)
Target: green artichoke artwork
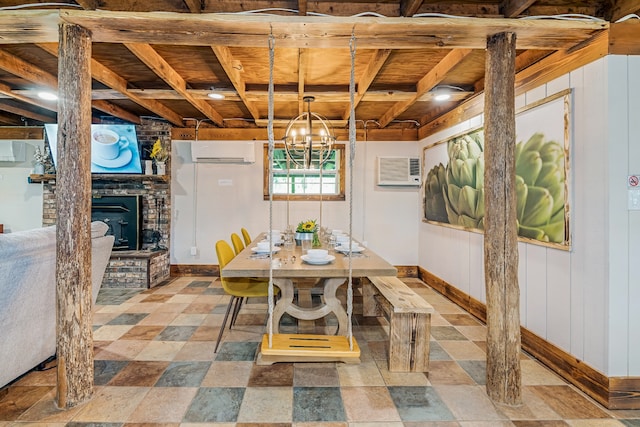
(434,208)
(464,192)
(454,193)
(540,189)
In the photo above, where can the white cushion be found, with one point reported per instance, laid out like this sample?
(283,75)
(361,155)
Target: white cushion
(98,229)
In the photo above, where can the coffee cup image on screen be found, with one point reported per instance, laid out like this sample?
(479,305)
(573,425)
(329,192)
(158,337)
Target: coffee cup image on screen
(114,148)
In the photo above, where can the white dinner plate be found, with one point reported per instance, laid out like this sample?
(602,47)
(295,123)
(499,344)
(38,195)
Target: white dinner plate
(354,249)
(264,251)
(327,260)
(123,159)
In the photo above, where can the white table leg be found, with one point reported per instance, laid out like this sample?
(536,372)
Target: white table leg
(331,304)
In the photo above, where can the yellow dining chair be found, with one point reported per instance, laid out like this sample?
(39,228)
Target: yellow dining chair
(238,287)
(238,246)
(246,236)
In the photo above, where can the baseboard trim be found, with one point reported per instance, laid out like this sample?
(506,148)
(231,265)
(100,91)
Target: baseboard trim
(611,392)
(194,270)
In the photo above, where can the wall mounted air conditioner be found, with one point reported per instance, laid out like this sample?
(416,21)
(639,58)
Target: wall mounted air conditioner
(399,171)
(242,152)
(12,151)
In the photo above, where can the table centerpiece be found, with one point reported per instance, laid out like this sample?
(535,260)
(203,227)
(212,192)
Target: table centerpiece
(308,230)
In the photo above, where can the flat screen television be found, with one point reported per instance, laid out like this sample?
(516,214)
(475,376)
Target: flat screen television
(114,148)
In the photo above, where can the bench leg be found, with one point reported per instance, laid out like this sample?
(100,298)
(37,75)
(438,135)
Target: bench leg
(370,307)
(409,342)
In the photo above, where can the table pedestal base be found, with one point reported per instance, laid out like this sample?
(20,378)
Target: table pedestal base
(307,348)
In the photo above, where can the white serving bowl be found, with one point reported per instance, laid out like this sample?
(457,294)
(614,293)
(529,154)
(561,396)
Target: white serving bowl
(263,246)
(317,253)
(345,244)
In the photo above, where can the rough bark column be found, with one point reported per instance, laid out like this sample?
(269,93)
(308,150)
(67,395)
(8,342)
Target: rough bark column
(500,238)
(73,206)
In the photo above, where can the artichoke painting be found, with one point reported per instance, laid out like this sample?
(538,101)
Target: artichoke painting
(434,208)
(540,182)
(464,192)
(455,193)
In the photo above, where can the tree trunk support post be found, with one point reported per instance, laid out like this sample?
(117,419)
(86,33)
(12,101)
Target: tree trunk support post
(504,382)
(74,343)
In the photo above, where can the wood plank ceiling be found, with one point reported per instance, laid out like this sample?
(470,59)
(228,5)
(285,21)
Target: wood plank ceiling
(160,58)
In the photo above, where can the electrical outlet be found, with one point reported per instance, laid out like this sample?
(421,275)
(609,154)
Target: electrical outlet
(194,251)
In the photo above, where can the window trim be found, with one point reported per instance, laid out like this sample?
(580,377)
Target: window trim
(340,173)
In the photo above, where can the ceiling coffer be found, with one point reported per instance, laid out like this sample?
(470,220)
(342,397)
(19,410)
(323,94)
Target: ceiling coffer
(242,152)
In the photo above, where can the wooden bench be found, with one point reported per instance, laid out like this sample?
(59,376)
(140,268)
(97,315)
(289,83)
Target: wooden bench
(409,317)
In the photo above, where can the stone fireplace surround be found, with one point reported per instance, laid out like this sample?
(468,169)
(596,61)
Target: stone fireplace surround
(149,266)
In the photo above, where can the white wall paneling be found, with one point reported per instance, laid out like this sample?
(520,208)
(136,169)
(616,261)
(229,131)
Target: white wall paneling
(21,206)
(585,300)
(633,145)
(220,199)
(618,238)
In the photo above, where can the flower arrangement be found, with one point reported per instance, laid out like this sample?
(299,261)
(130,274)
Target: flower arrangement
(308,226)
(43,162)
(39,157)
(158,152)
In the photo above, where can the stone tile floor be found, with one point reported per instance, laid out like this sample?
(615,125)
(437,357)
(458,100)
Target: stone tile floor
(155,365)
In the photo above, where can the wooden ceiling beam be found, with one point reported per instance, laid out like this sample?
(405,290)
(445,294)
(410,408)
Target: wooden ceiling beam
(24,112)
(410,7)
(622,8)
(302,7)
(6,90)
(262,96)
(194,6)
(303,64)
(373,68)
(114,81)
(543,71)
(226,60)
(88,4)
(18,67)
(30,72)
(513,8)
(5,119)
(115,111)
(158,65)
(323,32)
(426,83)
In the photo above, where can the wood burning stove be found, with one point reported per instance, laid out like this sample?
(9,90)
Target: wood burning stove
(123,216)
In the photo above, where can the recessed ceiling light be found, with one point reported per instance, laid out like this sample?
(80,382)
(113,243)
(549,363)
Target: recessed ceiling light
(215,95)
(49,96)
(443,96)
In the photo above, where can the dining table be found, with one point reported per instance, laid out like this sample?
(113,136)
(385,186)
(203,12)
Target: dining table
(290,271)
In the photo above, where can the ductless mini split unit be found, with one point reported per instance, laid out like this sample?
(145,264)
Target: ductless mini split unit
(12,151)
(238,152)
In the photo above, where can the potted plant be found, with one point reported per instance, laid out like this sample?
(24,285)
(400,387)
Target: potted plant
(40,161)
(160,155)
(308,230)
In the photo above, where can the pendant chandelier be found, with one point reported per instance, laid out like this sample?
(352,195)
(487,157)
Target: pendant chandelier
(309,138)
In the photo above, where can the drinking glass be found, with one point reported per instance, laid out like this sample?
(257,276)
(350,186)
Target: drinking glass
(306,245)
(289,243)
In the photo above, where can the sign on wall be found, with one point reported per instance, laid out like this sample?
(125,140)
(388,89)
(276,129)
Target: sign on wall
(453,187)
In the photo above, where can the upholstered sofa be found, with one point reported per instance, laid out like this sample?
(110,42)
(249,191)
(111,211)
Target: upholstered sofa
(28,295)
